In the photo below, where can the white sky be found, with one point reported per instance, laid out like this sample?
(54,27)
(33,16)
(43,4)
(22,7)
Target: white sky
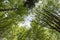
(27,21)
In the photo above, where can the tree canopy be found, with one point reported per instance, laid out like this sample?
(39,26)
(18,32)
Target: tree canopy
(44,22)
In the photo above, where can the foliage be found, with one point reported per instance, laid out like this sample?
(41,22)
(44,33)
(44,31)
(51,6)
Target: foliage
(44,26)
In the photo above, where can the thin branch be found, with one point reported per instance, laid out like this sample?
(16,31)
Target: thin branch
(9,9)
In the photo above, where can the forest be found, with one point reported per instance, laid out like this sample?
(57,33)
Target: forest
(29,19)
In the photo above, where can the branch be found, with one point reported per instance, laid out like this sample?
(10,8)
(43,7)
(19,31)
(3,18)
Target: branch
(3,9)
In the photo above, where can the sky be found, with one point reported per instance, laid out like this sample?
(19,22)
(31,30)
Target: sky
(27,21)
